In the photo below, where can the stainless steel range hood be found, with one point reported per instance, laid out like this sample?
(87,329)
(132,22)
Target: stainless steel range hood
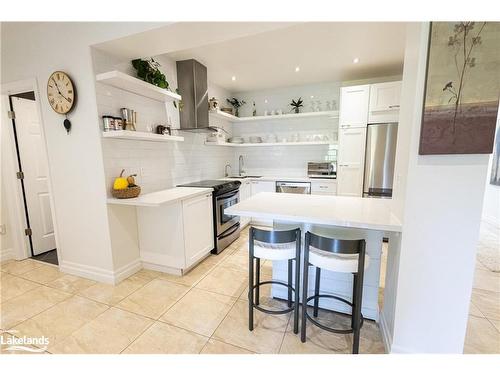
(193,86)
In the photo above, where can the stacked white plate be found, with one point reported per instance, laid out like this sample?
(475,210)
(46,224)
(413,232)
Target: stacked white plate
(255,139)
(236,140)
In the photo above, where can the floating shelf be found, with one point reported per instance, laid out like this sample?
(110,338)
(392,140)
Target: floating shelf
(288,116)
(141,136)
(134,85)
(286,144)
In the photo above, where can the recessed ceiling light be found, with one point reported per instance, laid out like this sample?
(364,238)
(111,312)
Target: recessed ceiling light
(297,68)
(312,96)
(265,101)
(356,60)
(233,78)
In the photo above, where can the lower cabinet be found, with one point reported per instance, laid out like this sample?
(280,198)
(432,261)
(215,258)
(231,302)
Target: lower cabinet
(262,187)
(323,187)
(245,193)
(173,237)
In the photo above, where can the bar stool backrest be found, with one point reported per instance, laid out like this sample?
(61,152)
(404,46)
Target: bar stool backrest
(334,245)
(274,236)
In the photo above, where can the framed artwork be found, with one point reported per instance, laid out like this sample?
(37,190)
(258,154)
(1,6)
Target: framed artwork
(495,165)
(462,88)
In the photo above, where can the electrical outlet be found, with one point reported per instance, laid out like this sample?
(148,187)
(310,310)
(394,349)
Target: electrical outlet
(3,229)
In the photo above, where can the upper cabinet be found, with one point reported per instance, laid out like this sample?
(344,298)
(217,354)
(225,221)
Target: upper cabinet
(354,106)
(384,102)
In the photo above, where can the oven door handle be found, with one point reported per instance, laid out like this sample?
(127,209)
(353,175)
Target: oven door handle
(236,227)
(227,195)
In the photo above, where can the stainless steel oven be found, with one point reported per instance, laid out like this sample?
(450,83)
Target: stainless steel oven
(225,221)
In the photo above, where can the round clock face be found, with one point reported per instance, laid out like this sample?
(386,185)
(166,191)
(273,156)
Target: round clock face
(60,92)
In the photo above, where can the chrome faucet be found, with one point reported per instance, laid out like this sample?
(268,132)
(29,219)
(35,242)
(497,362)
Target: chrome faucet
(241,165)
(226,173)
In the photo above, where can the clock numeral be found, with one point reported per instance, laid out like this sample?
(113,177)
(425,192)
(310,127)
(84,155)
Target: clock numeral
(70,91)
(70,100)
(58,77)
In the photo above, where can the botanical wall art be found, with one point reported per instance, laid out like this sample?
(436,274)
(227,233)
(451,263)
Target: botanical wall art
(495,165)
(462,88)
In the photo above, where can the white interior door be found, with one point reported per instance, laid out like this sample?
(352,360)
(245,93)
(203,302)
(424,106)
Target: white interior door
(35,168)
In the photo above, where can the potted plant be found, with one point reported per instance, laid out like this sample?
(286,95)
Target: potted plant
(296,105)
(236,105)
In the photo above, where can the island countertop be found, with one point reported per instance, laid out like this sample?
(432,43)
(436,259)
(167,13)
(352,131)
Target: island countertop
(349,212)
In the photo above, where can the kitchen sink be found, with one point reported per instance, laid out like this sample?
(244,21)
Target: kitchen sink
(243,177)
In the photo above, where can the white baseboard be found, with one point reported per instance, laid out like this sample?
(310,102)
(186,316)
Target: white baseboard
(386,335)
(6,254)
(491,220)
(100,274)
(161,268)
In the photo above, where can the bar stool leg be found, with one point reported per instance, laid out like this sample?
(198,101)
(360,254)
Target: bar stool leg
(297,286)
(250,283)
(356,317)
(353,307)
(305,275)
(316,291)
(257,281)
(290,265)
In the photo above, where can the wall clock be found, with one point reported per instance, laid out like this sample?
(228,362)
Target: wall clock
(61,95)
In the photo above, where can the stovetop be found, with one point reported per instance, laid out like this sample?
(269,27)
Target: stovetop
(219,186)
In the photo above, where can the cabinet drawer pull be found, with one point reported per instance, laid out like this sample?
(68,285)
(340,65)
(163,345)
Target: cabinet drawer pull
(394,106)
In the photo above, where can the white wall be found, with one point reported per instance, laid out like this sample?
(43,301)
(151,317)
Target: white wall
(491,206)
(442,198)
(32,50)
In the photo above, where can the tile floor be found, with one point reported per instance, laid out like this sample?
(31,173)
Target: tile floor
(203,312)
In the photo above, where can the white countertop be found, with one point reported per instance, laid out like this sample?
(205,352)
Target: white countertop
(282,178)
(350,212)
(161,197)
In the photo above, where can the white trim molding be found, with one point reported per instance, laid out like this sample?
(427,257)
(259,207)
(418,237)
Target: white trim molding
(101,274)
(386,334)
(6,254)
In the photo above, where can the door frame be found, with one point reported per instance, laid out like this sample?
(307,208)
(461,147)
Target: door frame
(13,190)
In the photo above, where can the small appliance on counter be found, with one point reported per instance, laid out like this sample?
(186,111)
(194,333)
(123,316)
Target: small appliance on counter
(226,227)
(327,169)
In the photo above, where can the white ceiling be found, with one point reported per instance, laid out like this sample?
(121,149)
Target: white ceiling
(323,51)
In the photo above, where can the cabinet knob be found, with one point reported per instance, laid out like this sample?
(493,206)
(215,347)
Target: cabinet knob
(394,106)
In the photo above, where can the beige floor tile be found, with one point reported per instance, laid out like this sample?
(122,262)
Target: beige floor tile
(43,274)
(236,261)
(224,281)
(265,338)
(370,339)
(162,338)
(496,323)
(109,333)
(19,267)
(193,276)
(199,311)
(487,280)
(474,311)
(147,274)
(482,337)
(219,347)
(113,294)
(27,305)
(487,302)
(60,321)
(154,298)
(71,284)
(12,286)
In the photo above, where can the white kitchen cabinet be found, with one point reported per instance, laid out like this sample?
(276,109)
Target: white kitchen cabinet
(173,237)
(384,102)
(354,106)
(323,187)
(262,187)
(350,161)
(198,228)
(245,193)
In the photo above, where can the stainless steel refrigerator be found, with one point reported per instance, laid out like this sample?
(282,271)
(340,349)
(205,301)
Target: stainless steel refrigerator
(379,159)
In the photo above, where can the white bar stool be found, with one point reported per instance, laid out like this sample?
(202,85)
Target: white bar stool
(273,245)
(338,256)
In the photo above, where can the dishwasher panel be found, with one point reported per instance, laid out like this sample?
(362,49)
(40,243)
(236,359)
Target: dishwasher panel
(293,187)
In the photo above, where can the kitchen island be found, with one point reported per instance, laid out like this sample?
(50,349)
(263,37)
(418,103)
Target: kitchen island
(333,216)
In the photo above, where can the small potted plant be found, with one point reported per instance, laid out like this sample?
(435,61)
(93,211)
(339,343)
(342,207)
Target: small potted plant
(236,105)
(296,105)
